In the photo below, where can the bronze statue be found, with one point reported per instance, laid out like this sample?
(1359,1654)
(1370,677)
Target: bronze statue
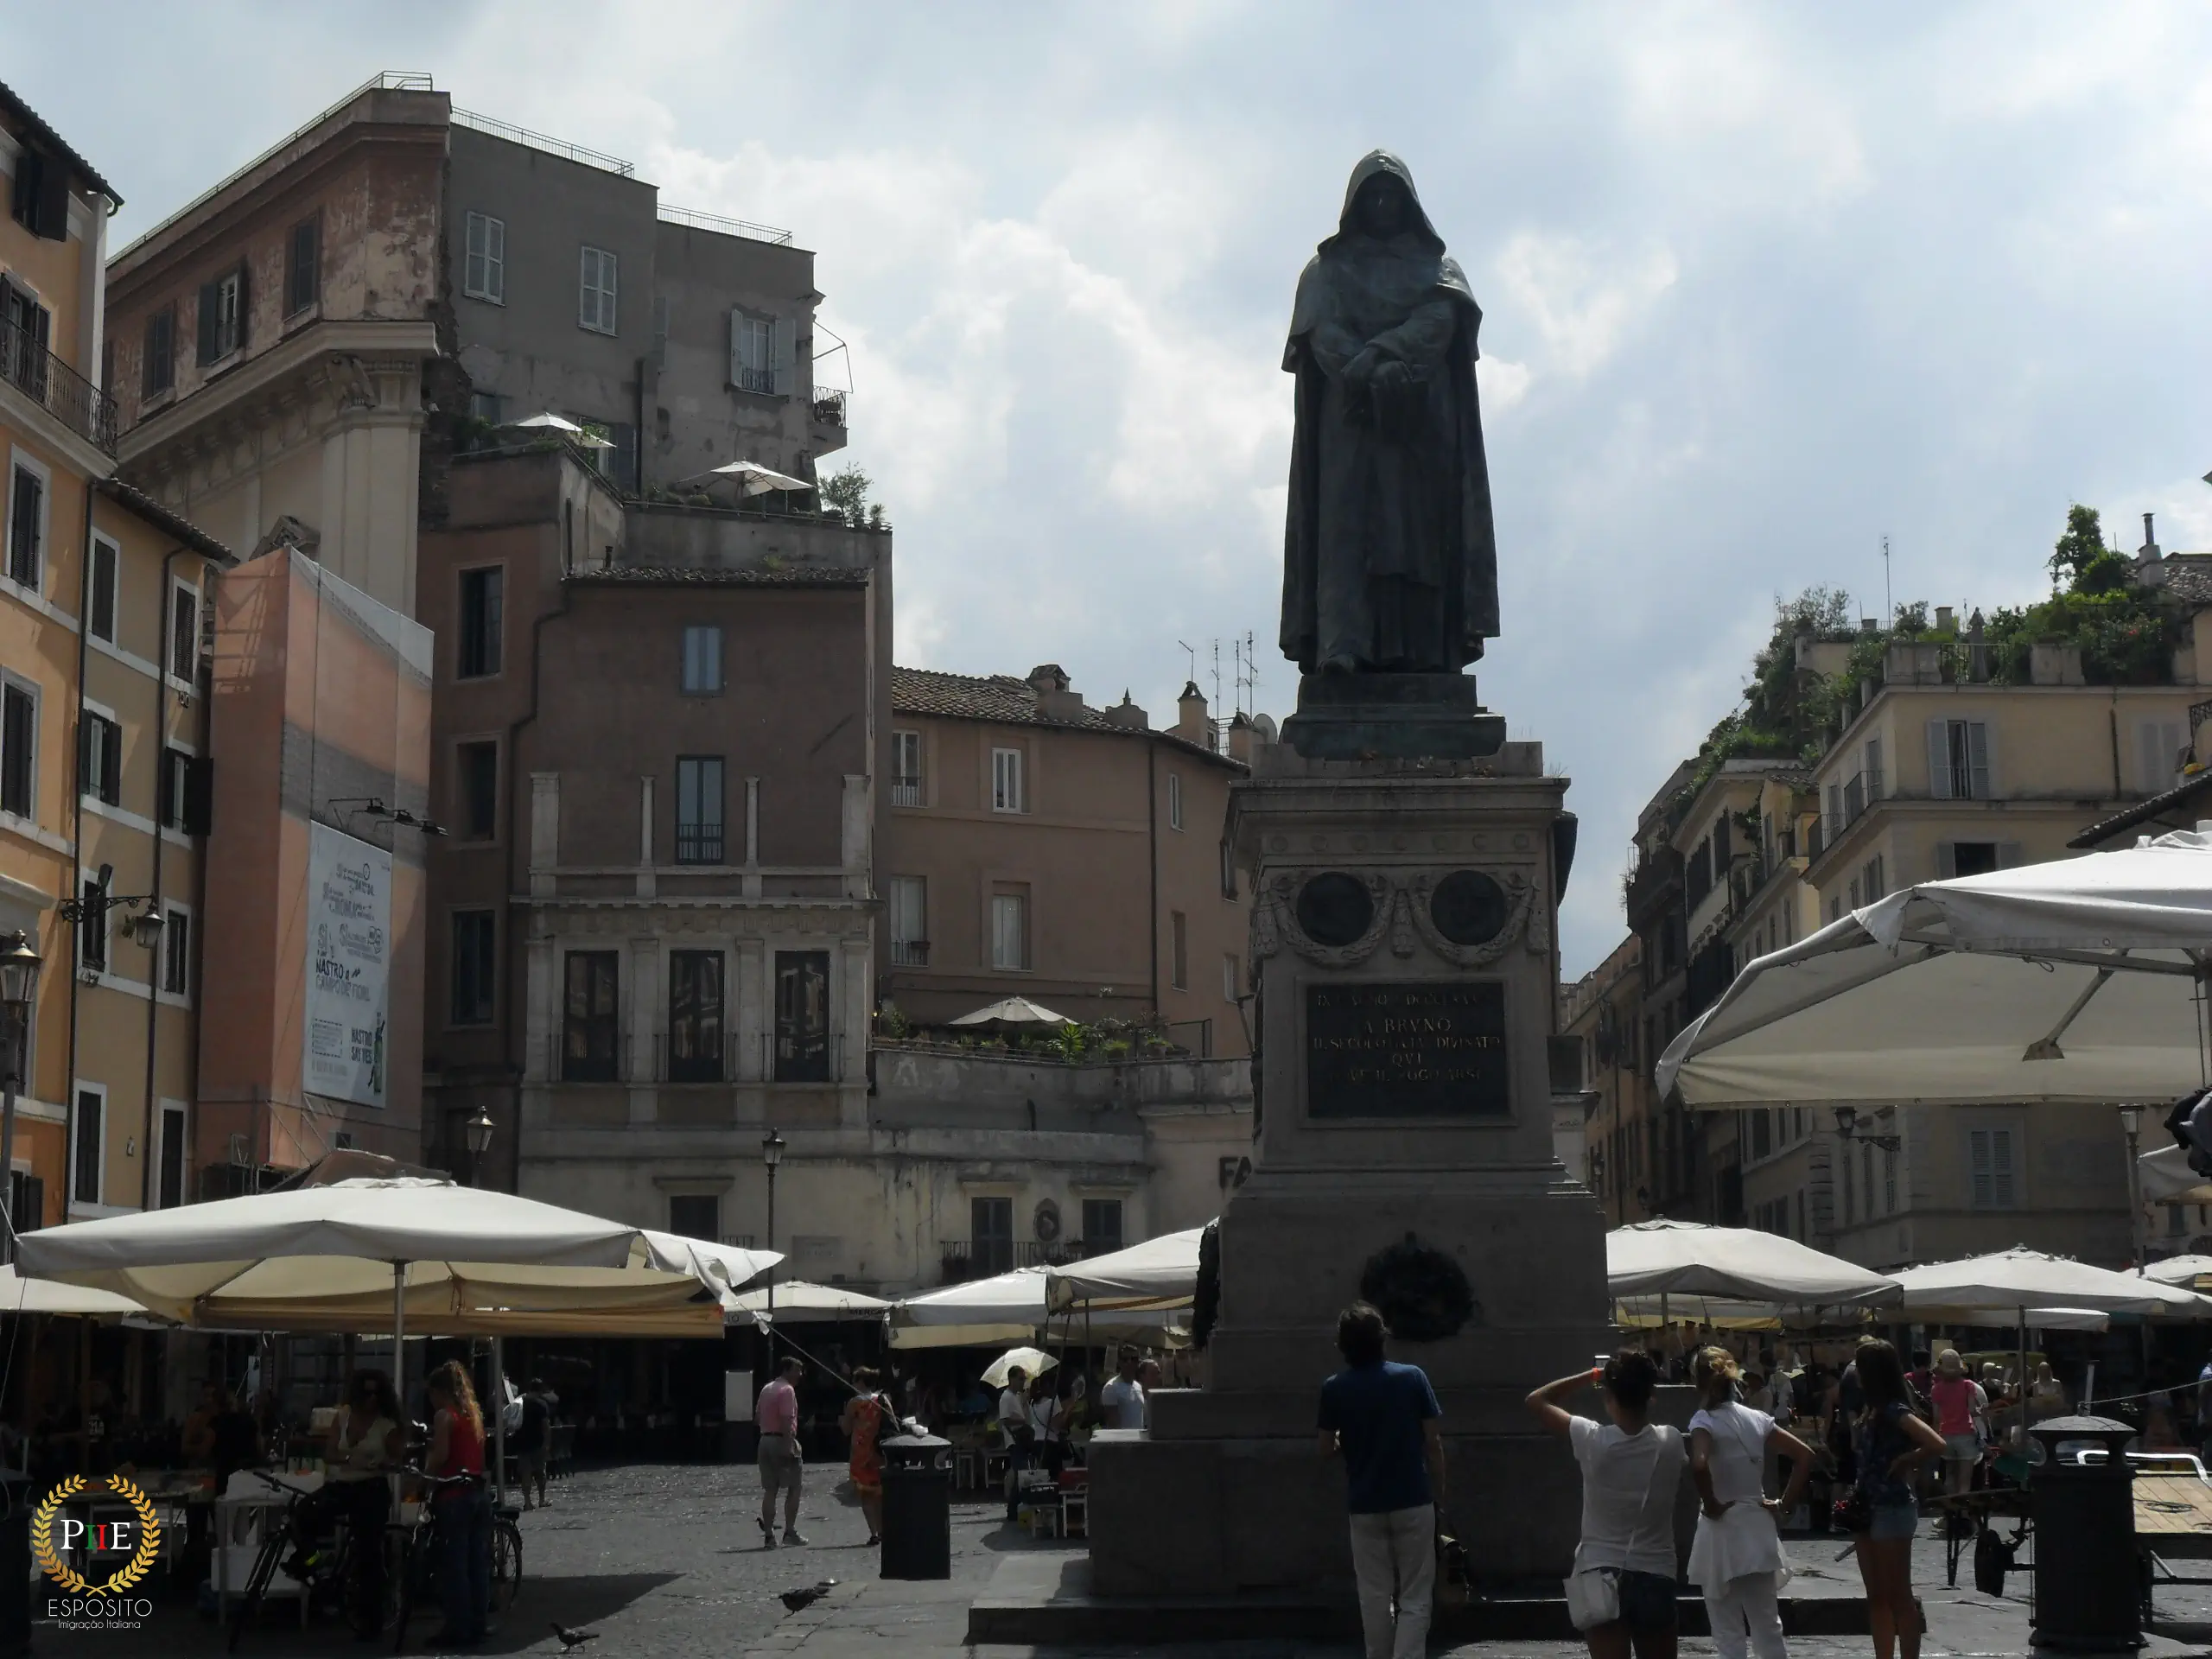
(1389,560)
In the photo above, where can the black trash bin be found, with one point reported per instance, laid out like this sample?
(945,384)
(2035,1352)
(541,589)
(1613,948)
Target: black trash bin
(917,1507)
(17,1589)
(2087,1573)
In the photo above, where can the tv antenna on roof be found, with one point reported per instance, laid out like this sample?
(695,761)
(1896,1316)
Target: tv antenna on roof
(1889,599)
(1191,651)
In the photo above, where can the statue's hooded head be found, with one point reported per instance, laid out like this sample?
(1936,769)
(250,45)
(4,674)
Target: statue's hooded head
(1381,202)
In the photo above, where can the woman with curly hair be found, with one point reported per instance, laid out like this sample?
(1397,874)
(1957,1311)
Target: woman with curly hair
(1736,1558)
(463,1511)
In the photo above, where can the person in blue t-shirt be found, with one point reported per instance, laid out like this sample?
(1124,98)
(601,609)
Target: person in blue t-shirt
(1383,1419)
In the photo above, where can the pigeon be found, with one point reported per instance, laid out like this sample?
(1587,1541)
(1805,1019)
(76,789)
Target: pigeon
(794,1600)
(571,1640)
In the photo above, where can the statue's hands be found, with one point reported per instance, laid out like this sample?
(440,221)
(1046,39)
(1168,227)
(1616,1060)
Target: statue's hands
(1390,375)
(1361,370)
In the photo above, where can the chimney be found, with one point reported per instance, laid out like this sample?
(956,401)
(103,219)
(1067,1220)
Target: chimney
(1190,722)
(1054,699)
(2148,553)
(1240,737)
(1126,713)
(1944,614)
(1870,625)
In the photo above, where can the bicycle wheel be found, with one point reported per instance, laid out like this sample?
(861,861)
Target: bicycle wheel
(409,1584)
(506,1564)
(249,1602)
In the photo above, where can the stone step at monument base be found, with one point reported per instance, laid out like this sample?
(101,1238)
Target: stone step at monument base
(1048,1600)
(1410,716)
(1248,1363)
(1197,1415)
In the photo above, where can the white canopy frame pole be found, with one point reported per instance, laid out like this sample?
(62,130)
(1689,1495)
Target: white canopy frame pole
(399,1333)
(500,1418)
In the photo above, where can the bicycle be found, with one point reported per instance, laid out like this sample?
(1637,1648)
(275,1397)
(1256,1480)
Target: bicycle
(418,1563)
(330,1572)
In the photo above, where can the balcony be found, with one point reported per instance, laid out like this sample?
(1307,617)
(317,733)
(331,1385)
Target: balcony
(1648,885)
(47,381)
(906,791)
(1850,802)
(829,408)
(962,1259)
(698,843)
(909,953)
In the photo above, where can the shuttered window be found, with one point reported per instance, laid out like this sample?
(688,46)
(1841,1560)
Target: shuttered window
(157,373)
(222,317)
(1991,1170)
(1958,760)
(2158,749)
(1006,781)
(25,528)
(304,267)
(484,272)
(595,295)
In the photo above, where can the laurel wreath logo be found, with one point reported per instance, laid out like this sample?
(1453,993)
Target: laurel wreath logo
(142,1558)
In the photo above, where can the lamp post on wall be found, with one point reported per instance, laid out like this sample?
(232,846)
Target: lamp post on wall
(19,966)
(771,1154)
(480,1129)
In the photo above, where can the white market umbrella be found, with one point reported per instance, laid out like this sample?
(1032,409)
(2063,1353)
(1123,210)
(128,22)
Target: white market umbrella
(1033,1362)
(1014,1013)
(1739,1264)
(1160,1272)
(568,429)
(2070,981)
(2018,1282)
(1009,1308)
(799,1302)
(2166,1178)
(752,479)
(2068,1319)
(22,1295)
(2188,1272)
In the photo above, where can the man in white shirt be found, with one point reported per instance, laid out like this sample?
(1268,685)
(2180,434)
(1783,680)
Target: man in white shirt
(1120,1402)
(1014,1425)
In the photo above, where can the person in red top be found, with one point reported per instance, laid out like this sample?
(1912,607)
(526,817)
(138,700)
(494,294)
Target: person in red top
(464,1513)
(1960,1404)
(864,1419)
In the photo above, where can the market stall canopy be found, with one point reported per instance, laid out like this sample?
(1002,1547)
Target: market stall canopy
(1160,1272)
(321,1258)
(1010,1308)
(567,428)
(1015,1014)
(2189,1272)
(2068,1319)
(22,1295)
(799,1302)
(1736,1263)
(2167,1177)
(2005,1283)
(2067,982)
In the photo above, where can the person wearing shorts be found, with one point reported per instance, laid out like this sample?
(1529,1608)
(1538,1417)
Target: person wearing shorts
(1891,1440)
(1960,1404)
(781,1465)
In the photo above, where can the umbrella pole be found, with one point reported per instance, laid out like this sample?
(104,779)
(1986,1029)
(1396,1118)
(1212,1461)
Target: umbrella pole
(499,1421)
(399,1334)
(2022,1383)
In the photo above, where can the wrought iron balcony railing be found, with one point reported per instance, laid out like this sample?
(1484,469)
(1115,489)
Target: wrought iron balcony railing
(46,379)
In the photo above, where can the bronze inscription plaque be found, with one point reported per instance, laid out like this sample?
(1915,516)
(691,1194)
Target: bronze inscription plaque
(1416,1049)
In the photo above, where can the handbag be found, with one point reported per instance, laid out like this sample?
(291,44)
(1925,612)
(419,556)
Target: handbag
(1852,1512)
(1594,1593)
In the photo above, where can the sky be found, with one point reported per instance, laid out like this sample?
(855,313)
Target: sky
(1761,286)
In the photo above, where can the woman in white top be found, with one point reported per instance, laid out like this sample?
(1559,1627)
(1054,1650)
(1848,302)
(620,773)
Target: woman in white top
(1736,1555)
(1631,1473)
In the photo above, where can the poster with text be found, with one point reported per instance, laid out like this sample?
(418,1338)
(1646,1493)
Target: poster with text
(349,963)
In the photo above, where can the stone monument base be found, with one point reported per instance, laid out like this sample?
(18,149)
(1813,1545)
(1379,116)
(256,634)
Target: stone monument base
(1399,716)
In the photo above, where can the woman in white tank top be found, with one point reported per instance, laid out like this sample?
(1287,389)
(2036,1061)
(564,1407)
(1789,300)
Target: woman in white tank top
(1736,1558)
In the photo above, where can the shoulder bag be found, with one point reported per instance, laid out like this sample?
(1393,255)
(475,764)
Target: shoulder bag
(1594,1593)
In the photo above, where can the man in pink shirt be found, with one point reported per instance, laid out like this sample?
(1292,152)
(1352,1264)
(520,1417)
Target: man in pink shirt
(781,1463)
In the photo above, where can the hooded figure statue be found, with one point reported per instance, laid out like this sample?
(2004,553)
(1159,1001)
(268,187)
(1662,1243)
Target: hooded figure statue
(1389,559)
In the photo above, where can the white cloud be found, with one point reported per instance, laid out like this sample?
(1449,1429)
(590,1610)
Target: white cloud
(1582,298)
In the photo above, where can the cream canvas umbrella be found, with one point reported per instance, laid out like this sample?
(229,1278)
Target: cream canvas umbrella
(799,1302)
(985,1313)
(2018,1282)
(1160,1272)
(751,478)
(568,429)
(22,1295)
(1012,1015)
(1033,1362)
(1663,1257)
(2188,1272)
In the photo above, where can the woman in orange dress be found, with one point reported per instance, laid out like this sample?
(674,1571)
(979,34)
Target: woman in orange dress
(863,1419)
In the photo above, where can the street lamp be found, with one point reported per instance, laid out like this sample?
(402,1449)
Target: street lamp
(480,1129)
(19,966)
(2131,1120)
(772,1153)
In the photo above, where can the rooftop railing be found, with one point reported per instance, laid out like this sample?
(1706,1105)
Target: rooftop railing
(699,221)
(552,146)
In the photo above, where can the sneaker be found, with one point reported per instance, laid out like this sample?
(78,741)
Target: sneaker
(768,1536)
(792,1537)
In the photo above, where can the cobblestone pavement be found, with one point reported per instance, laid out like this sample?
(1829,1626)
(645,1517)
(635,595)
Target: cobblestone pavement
(665,1561)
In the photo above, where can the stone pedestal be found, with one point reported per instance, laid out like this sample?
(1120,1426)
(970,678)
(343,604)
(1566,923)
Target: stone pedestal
(1402,951)
(1403,716)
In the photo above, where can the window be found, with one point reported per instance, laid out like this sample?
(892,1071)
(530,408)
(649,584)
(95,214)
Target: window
(184,633)
(475,962)
(1958,760)
(910,927)
(222,317)
(99,758)
(1010,931)
(186,784)
(483,275)
(695,1016)
(27,340)
(751,353)
(699,809)
(589,1051)
(304,267)
(596,297)
(1991,1169)
(1762,1140)
(1232,979)
(905,768)
(1175,800)
(991,1248)
(2161,752)
(802,1016)
(1179,952)
(26,527)
(483,622)
(1889,1180)
(157,370)
(1102,1226)
(695,1215)
(170,1192)
(91,931)
(485,406)
(1968,857)
(40,204)
(176,951)
(1870,880)
(1228,870)
(18,749)
(1006,781)
(476,776)
(106,573)
(702,659)
(91,1145)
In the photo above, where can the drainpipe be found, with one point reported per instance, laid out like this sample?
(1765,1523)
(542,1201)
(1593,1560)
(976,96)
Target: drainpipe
(1151,843)
(162,647)
(76,864)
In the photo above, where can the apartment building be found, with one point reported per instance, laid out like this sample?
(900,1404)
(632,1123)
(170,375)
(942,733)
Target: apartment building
(1603,1011)
(104,754)
(1024,825)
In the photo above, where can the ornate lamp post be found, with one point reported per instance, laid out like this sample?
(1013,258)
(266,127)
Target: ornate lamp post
(480,1129)
(19,966)
(771,1154)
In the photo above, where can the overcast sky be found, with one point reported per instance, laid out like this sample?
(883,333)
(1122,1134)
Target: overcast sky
(1760,285)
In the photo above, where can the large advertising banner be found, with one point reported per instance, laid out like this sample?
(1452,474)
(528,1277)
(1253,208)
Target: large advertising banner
(349,966)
